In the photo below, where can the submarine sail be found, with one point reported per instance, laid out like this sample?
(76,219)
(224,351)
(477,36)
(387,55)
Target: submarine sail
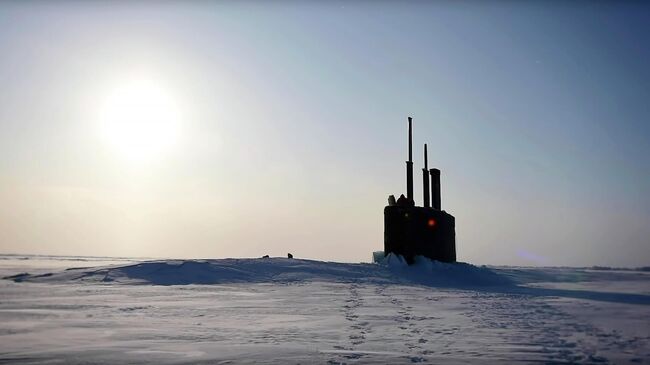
(426,231)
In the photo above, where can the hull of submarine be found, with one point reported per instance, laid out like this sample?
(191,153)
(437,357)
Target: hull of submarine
(412,231)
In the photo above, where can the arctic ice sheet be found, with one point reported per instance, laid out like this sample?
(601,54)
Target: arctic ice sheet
(277,310)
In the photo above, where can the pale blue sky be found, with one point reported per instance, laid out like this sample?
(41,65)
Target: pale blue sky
(294,120)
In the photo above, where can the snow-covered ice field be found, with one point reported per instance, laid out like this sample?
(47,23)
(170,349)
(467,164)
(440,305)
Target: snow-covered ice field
(300,311)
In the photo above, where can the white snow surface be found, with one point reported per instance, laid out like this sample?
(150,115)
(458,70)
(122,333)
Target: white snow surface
(77,310)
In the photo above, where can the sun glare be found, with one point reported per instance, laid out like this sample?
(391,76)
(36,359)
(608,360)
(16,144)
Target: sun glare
(140,120)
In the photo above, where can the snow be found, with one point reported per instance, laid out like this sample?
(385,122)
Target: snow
(280,310)
(391,269)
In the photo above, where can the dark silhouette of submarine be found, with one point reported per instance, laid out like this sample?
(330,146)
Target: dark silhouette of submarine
(427,231)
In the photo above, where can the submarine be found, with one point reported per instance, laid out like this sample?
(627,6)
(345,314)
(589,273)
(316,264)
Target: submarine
(426,231)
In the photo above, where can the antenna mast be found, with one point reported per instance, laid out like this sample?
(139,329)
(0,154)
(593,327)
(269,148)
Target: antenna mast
(409,166)
(425,179)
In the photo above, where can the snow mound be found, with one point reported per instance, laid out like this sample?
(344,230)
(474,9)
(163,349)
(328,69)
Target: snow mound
(430,272)
(389,270)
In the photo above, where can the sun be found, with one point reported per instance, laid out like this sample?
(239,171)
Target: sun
(140,120)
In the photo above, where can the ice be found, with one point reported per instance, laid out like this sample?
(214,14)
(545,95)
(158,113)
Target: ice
(279,310)
(390,269)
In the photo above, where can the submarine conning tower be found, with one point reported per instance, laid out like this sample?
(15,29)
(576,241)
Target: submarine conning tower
(428,230)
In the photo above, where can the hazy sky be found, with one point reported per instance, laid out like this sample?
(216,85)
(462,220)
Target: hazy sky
(278,127)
